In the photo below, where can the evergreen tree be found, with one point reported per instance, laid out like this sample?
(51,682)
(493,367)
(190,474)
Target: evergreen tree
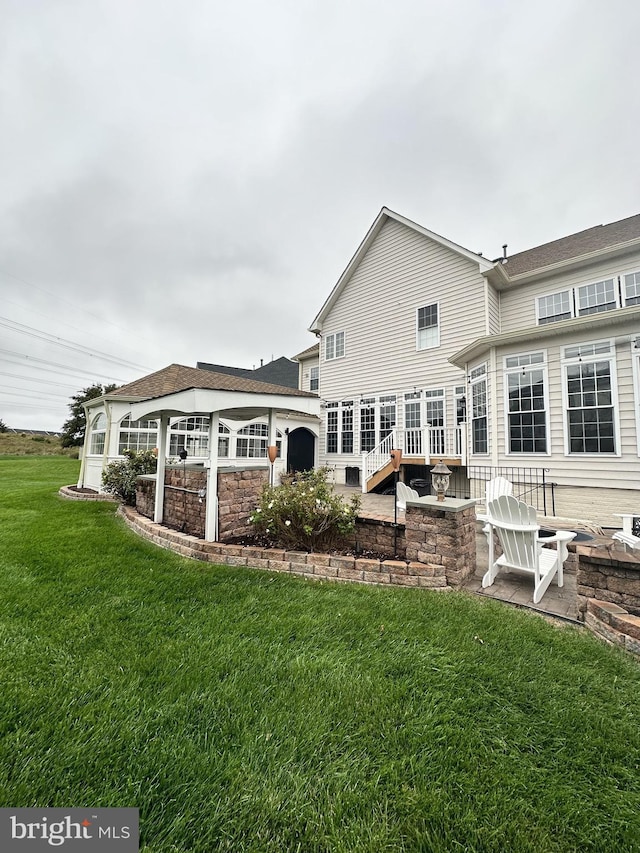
(74,428)
(3,427)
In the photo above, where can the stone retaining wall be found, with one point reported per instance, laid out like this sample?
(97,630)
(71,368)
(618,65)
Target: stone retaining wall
(313,566)
(608,573)
(239,492)
(372,534)
(443,536)
(613,624)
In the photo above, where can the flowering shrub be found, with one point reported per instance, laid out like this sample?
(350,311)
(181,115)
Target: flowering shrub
(306,514)
(119,478)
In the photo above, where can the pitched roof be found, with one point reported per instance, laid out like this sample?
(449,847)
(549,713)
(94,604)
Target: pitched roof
(178,377)
(574,246)
(308,353)
(281,371)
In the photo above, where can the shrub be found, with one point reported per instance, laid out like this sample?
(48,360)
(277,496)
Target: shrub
(119,478)
(305,514)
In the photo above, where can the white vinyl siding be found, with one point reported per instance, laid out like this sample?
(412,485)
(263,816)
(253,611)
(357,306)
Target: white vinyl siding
(401,272)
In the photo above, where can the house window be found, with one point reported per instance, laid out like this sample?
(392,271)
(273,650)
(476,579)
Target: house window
(590,402)
(367,424)
(253,441)
(224,434)
(332,427)
(434,416)
(347,427)
(314,379)
(596,297)
(525,382)
(190,434)
(98,433)
(334,346)
(137,435)
(479,433)
(387,415)
(428,329)
(413,424)
(632,288)
(557,306)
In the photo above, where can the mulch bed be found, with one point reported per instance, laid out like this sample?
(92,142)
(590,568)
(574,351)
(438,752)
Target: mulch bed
(347,551)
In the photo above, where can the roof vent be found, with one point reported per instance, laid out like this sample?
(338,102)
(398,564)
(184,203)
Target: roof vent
(504,252)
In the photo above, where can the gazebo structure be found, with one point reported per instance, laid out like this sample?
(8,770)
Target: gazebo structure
(236,421)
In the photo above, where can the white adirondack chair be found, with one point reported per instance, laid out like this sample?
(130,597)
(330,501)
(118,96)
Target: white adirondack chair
(517,528)
(403,494)
(496,488)
(626,535)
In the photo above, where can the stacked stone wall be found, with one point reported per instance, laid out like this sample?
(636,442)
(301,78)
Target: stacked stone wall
(238,495)
(608,573)
(378,536)
(443,538)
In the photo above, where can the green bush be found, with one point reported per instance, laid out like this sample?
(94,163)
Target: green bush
(119,478)
(305,514)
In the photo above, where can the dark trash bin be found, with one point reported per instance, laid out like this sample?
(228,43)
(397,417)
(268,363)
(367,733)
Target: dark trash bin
(352,476)
(422,487)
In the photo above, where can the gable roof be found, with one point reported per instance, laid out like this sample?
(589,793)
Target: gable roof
(384,216)
(178,377)
(574,246)
(281,371)
(310,352)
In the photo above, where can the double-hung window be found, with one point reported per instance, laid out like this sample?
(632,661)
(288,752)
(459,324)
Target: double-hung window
(334,346)
(190,434)
(590,398)
(434,416)
(387,415)
(525,383)
(332,427)
(98,433)
(479,426)
(367,424)
(413,423)
(346,437)
(314,379)
(428,327)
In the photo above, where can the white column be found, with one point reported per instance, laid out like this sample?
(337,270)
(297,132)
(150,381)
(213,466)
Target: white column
(158,511)
(211,517)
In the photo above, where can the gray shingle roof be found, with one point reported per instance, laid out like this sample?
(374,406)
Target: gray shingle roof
(178,377)
(574,246)
(280,371)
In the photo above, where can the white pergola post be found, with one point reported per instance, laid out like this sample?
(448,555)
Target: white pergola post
(211,516)
(271,443)
(158,510)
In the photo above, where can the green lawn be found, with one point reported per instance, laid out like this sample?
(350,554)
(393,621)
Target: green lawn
(242,711)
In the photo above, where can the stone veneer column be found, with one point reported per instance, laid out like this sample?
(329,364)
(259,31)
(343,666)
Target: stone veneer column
(443,534)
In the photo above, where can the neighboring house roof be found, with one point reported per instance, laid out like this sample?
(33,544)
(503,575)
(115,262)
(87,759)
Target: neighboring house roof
(281,371)
(311,352)
(45,432)
(178,377)
(384,215)
(574,246)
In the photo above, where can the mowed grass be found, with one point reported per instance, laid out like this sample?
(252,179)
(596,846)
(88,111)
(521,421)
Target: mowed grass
(242,711)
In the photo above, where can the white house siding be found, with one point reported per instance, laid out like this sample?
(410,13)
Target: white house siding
(493,310)
(518,303)
(592,486)
(305,373)
(401,272)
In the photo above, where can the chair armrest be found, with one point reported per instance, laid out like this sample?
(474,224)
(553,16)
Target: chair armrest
(559,536)
(627,521)
(627,539)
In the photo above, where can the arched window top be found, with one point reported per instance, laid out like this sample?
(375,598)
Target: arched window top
(99,422)
(255,429)
(196,423)
(223,428)
(127,423)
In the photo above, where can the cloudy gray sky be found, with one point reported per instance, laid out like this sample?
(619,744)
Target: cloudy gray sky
(184,181)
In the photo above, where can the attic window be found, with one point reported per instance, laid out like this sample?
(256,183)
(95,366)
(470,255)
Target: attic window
(428,328)
(334,346)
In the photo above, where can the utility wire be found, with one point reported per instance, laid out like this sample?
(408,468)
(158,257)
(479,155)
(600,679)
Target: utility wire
(63,367)
(22,329)
(46,382)
(71,304)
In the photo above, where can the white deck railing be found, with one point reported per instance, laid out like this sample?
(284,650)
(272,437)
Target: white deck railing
(428,441)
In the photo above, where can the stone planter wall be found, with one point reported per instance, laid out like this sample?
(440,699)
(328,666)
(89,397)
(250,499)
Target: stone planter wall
(374,535)
(238,495)
(608,573)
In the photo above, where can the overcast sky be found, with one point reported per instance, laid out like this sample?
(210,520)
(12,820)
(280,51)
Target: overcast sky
(184,181)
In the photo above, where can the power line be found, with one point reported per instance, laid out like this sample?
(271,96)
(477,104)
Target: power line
(16,392)
(47,382)
(72,305)
(64,368)
(32,332)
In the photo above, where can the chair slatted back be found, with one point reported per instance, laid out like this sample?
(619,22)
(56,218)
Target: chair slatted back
(517,528)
